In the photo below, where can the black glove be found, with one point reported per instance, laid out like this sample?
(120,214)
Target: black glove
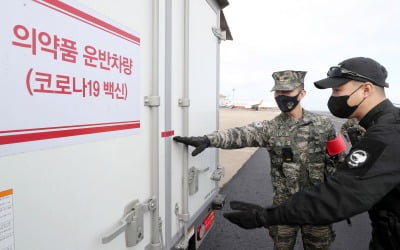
(199,142)
(248,216)
(354,135)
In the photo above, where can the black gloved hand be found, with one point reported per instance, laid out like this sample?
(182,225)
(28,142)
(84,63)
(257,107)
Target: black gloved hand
(248,216)
(355,135)
(199,142)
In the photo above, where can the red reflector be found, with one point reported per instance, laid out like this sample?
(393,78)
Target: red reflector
(167,133)
(205,225)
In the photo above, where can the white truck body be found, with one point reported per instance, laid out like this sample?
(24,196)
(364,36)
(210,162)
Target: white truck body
(89,173)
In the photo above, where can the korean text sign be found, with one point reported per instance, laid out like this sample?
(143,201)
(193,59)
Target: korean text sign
(67,77)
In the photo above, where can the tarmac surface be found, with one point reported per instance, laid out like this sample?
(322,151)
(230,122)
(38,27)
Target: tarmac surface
(252,183)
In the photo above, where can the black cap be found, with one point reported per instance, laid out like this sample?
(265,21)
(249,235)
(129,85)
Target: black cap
(361,69)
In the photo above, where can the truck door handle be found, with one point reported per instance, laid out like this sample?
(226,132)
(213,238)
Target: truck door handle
(119,229)
(131,223)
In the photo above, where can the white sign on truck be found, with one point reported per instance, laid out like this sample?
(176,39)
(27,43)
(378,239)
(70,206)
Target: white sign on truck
(90,107)
(73,76)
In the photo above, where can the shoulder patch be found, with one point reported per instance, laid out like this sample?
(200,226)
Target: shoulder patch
(363,156)
(357,158)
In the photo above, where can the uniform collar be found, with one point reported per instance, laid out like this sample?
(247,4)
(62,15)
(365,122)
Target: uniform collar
(372,116)
(305,118)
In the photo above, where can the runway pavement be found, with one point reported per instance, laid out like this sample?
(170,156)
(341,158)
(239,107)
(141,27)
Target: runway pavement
(252,183)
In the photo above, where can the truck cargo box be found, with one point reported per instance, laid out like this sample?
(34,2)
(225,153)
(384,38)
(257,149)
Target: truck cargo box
(92,94)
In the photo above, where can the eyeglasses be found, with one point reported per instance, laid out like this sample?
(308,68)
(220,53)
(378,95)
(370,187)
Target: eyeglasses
(337,71)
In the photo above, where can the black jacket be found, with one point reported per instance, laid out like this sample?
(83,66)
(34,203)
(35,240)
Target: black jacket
(369,180)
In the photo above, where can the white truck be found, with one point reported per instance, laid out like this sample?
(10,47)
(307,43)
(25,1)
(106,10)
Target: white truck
(92,93)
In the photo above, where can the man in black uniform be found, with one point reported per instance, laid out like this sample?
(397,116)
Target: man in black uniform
(369,179)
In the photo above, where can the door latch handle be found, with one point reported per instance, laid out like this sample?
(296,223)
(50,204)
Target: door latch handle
(131,224)
(119,229)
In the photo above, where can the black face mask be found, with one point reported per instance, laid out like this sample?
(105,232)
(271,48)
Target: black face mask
(338,105)
(287,103)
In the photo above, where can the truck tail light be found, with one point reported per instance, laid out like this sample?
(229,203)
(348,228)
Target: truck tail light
(205,225)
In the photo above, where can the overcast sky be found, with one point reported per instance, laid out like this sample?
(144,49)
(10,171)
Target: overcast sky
(309,35)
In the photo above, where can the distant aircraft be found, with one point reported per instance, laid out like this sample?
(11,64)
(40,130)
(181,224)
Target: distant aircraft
(256,106)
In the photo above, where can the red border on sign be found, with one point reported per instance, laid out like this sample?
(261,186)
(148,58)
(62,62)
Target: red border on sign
(64,127)
(89,19)
(59,132)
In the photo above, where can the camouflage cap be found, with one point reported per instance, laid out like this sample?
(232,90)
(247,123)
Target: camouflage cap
(288,79)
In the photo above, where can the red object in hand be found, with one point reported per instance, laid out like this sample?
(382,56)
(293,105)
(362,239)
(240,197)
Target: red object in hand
(336,146)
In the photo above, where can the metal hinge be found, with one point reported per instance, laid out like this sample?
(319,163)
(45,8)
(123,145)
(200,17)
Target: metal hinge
(152,101)
(220,34)
(184,102)
(218,174)
(181,217)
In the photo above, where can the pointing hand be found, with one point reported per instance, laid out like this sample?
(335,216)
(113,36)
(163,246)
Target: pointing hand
(199,142)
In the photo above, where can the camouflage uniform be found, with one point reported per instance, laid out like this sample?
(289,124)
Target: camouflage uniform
(297,149)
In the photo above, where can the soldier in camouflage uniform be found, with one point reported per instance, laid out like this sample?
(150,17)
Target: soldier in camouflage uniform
(296,141)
